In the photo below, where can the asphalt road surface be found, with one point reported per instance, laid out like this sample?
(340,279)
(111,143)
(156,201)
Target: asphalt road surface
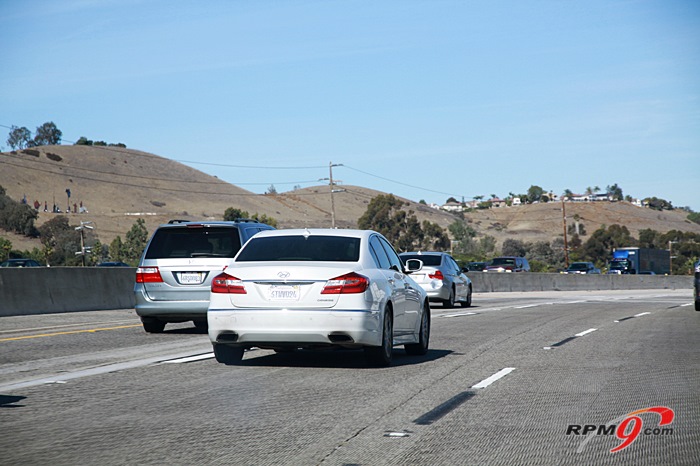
(519,378)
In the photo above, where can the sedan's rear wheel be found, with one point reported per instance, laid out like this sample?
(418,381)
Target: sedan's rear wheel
(152,325)
(421,348)
(229,355)
(380,356)
(450,301)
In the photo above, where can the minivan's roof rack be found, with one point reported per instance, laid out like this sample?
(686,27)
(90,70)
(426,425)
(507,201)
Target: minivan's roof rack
(178,221)
(246,220)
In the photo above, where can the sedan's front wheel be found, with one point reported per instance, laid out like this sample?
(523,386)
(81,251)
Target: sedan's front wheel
(468,301)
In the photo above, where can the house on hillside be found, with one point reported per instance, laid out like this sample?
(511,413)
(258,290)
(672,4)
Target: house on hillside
(578,198)
(496,202)
(452,207)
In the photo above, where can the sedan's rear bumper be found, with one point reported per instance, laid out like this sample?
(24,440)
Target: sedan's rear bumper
(436,290)
(271,327)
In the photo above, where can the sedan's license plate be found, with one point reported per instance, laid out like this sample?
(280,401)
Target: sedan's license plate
(284,293)
(191,278)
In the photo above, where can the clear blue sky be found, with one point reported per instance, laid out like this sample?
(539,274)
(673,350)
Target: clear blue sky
(424,99)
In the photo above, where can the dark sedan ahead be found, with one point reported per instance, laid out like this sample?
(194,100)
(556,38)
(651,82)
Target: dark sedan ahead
(20,263)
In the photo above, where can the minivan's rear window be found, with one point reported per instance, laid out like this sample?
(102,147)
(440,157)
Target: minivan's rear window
(301,248)
(173,243)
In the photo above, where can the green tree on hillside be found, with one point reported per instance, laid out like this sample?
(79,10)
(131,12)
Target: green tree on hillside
(135,242)
(116,249)
(600,245)
(384,214)
(233,213)
(514,247)
(615,192)
(658,204)
(16,217)
(534,193)
(61,241)
(5,248)
(47,134)
(19,138)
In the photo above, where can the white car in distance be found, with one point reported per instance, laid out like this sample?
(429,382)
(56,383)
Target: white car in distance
(318,288)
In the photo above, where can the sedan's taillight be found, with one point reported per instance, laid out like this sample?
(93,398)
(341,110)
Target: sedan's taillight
(345,284)
(436,276)
(225,283)
(148,275)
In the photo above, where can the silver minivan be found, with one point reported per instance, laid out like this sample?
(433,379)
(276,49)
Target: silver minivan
(173,279)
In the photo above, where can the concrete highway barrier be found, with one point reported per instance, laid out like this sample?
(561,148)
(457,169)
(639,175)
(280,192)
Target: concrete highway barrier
(43,290)
(484,282)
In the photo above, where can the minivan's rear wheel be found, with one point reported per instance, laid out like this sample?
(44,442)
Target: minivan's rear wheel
(421,348)
(381,355)
(152,325)
(229,355)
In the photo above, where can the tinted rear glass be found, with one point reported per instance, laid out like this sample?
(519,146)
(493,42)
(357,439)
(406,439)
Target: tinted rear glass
(300,248)
(503,261)
(173,243)
(428,259)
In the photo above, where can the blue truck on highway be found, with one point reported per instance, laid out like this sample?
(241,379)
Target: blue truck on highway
(640,261)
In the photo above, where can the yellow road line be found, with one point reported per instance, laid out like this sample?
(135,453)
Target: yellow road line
(69,333)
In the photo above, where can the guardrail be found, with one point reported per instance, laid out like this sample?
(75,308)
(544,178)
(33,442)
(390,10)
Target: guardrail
(44,290)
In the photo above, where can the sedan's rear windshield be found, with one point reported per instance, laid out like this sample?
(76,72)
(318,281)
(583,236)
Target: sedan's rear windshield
(174,243)
(301,248)
(430,260)
(578,266)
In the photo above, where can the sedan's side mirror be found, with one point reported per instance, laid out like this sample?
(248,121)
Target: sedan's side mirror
(413,265)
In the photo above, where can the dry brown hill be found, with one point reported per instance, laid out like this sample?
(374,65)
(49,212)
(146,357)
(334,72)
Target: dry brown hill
(117,186)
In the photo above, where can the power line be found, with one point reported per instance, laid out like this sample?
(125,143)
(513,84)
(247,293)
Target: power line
(401,183)
(179,180)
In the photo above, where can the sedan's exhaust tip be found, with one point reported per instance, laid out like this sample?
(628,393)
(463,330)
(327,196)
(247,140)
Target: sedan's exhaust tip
(339,337)
(227,337)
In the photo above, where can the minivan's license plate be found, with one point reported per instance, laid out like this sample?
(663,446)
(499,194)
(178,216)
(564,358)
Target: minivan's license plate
(191,278)
(284,293)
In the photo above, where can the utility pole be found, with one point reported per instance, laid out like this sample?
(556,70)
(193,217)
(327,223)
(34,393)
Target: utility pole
(670,257)
(83,249)
(332,185)
(566,242)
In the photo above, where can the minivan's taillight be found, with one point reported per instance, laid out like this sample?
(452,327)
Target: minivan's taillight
(437,275)
(148,275)
(345,284)
(225,283)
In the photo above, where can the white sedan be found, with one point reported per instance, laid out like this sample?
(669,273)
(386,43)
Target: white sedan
(318,288)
